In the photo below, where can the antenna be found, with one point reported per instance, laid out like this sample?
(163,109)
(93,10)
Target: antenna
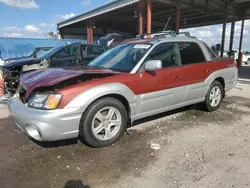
(169,18)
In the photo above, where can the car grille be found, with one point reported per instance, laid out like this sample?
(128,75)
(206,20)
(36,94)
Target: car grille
(11,81)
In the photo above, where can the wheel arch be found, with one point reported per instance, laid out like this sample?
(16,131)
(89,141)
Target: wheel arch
(116,90)
(221,80)
(118,97)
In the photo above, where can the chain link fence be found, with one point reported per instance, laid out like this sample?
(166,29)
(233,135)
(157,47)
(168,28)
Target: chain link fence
(19,47)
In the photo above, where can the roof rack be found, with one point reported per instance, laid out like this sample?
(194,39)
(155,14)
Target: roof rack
(187,34)
(172,33)
(164,33)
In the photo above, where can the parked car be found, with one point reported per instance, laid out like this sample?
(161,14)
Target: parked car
(246,58)
(76,54)
(110,40)
(1,62)
(131,81)
(36,53)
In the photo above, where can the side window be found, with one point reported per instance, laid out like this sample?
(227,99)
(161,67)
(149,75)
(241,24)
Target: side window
(168,53)
(190,53)
(68,51)
(94,50)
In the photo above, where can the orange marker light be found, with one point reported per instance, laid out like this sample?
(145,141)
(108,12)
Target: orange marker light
(52,101)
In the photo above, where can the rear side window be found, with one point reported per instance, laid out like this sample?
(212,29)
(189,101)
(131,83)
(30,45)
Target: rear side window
(211,53)
(94,50)
(190,53)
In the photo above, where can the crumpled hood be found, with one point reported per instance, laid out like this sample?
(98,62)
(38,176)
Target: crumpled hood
(53,76)
(21,62)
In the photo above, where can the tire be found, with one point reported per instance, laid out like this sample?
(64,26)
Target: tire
(211,104)
(98,128)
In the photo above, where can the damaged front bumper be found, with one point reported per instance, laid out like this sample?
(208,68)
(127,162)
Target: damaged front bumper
(45,125)
(1,82)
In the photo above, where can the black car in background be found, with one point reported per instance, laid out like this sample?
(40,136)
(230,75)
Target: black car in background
(37,52)
(110,40)
(76,54)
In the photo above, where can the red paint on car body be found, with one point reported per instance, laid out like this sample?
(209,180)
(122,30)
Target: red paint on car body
(146,82)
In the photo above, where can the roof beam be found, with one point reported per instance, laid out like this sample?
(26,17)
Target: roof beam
(97,11)
(207,7)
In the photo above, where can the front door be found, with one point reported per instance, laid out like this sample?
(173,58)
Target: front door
(162,89)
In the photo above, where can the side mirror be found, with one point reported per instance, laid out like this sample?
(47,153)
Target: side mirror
(152,65)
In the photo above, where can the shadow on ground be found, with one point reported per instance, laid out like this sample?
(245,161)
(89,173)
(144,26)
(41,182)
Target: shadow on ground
(55,144)
(62,143)
(75,184)
(165,114)
(244,72)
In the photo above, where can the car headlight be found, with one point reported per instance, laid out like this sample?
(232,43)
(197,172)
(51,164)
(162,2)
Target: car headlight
(45,101)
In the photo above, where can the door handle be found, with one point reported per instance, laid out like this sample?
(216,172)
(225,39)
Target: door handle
(209,71)
(177,77)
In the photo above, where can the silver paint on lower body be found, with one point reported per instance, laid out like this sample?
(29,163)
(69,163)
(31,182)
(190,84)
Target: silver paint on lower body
(44,125)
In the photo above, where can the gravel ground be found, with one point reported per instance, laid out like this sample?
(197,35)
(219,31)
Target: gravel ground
(197,149)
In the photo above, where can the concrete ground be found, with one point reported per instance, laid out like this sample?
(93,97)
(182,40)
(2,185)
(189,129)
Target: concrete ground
(197,149)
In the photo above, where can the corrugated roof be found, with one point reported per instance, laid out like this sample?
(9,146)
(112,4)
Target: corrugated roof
(113,5)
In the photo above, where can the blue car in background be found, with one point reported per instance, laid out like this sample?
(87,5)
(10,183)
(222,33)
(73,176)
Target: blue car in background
(76,54)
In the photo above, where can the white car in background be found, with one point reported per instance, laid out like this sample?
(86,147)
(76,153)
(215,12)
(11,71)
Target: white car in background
(246,58)
(1,62)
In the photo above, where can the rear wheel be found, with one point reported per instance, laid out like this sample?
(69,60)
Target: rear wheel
(214,96)
(103,123)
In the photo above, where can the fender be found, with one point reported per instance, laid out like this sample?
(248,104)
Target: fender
(230,76)
(87,97)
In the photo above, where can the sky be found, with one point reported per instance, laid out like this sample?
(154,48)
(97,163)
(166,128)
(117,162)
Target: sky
(34,18)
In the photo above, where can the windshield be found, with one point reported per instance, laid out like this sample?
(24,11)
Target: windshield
(30,53)
(47,54)
(121,58)
(40,52)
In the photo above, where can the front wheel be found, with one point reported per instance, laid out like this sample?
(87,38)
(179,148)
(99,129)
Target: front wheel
(103,123)
(214,96)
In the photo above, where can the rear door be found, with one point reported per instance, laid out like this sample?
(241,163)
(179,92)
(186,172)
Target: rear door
(68,56)
(194,70)
(91,52)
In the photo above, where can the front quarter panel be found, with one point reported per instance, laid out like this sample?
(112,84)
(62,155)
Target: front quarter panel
(87,97)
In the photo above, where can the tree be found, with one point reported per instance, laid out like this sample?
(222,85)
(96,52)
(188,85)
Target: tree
(51,34)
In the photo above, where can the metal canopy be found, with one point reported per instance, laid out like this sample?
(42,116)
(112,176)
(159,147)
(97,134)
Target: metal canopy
(111,6)
(122,15)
